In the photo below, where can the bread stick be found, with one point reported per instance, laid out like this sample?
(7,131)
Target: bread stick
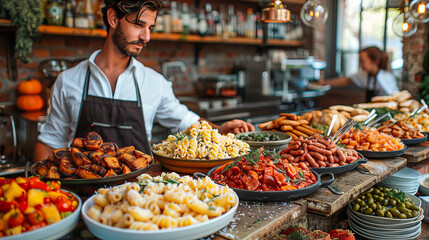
(289,116)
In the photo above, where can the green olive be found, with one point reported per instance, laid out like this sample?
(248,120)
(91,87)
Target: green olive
(362,203)
(363,197)
(414,207)
(402,216)
(358,200)
(394,212)
(368,195)
(395,191)
(356,207)
(385,202)
(370,190)
(368,211)
(388,214)
(392,202)
(409,214)
(375,196)
(415,213)
(373,206)
(400,204)
(379,213)
(380,199)
(381,194)
(370,200)
(402,209)
(376,191)
(386,189)
(408,204)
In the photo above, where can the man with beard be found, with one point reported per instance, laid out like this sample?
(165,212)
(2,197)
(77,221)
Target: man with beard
(114,94)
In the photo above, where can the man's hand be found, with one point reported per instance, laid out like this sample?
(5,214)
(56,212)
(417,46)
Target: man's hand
(236,126)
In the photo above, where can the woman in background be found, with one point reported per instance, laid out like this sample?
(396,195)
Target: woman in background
(372,76)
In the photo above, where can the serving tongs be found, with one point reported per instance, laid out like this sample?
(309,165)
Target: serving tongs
(344,129)
(333,120)
(388,114)
(419,110)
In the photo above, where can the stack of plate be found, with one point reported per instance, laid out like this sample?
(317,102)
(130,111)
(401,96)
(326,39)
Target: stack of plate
(406,180)
(375,227)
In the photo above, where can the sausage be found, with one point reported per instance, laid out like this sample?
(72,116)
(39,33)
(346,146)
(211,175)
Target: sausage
(304,147)
(324,142)
(290,159)
(311,161)
(331,159)
(319,150)
(333,165)
(333,150)
(319,145)
(343,163)
(297,152)
(316,155)
(296,160)
(336,159)
(341,155)
(321,163)
(351,159)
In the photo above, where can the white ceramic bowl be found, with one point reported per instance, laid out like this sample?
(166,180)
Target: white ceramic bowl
(423,189)
(384,235)
(54,231)
(389,226)
(195,231)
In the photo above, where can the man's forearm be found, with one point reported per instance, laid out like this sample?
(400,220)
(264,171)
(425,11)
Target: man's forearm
(41,151)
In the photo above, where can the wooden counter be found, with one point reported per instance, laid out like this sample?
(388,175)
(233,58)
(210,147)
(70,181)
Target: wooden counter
(326,203)
(417,153)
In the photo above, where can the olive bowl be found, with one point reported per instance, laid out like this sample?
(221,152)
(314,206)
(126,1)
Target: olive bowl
(268,145)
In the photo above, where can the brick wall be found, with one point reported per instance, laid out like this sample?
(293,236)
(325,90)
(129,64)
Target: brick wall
(414,48)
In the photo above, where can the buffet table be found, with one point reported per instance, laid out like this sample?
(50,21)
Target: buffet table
(258,220)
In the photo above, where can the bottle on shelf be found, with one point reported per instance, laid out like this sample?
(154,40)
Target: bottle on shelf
(176,22)
(217,23)
(69,14)
(232,22)
(89,11)
(159,25)
(80,18)
(99,23)
(250,23)
(55,12)
(167,20)
(202,24)
(209,19)
(186,19)
(193,24)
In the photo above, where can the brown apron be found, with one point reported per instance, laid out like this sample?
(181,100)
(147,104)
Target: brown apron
(116,121)
(371,90)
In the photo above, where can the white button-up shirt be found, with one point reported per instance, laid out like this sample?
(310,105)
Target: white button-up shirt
(156,93)
(386,81)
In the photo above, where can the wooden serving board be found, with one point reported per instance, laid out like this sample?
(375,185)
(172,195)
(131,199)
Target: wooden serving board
(417,153)
(324,202)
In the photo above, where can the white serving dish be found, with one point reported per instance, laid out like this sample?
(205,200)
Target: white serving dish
(423,189)
(385,235)
(378,226)
(195,231)
(425,207)
(407,173)
(54,231)
(384,220)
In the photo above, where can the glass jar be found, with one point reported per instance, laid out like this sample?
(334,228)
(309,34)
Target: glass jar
(55,12)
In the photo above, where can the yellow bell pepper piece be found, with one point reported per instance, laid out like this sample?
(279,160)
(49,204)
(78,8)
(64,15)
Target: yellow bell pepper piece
(8,214)
(51,213)
(54,195)
(13,191)
(14,230)
(35,197)
(29,210)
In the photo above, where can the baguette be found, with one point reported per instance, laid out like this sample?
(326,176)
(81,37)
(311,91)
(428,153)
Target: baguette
(266,125)
(406,103)
(382,99)
(289,122)
(392,105)
(285,128)
(360,118)
(342,108)
(289,116)
(346,114)
(405,110)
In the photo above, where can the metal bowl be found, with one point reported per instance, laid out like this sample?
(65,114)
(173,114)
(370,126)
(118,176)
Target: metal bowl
(190,166)
(87,187)
(270,145)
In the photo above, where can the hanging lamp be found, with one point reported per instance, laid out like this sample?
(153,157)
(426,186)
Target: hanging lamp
(276,12)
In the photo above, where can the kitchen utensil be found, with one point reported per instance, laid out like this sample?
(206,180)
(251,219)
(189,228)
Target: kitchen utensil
(333,121)
(190,166)
(8,141)
(87,187)
(270,196)
(335,189)
(388,114)
(268,145)
(349,124)
(386,154)
(362,170)
(342,169)
(195,231)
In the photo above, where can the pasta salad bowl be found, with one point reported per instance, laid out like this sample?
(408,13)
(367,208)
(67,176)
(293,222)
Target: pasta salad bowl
(190,166)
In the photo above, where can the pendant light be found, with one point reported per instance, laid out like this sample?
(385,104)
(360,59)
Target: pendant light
(419,10)
(276,12)
(404,25)
(314,13)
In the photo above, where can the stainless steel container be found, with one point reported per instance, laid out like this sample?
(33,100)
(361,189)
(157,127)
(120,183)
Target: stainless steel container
(8,140)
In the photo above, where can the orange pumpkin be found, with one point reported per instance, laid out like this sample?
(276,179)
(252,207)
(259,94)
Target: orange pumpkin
(30,86)
(29,102)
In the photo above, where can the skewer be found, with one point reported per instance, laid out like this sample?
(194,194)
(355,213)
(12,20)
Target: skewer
(333,120)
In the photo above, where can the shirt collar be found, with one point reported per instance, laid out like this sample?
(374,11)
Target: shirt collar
(131,66)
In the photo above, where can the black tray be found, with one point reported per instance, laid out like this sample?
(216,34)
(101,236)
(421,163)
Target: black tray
(341,169)
(415,140)
(87,187)
(373,154)
(277,196)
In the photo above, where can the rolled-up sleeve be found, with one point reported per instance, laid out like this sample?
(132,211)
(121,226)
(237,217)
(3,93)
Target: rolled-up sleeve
(171,113)
(56,130)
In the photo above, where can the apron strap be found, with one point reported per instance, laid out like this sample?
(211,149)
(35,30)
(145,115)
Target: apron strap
(139,99)
(86,85)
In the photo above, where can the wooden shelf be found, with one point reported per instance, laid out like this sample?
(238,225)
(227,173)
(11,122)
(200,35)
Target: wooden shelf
(285,2)
(5,22)
(171,37)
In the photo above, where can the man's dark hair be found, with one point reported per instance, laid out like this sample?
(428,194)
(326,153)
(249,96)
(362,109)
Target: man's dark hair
(124,8)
